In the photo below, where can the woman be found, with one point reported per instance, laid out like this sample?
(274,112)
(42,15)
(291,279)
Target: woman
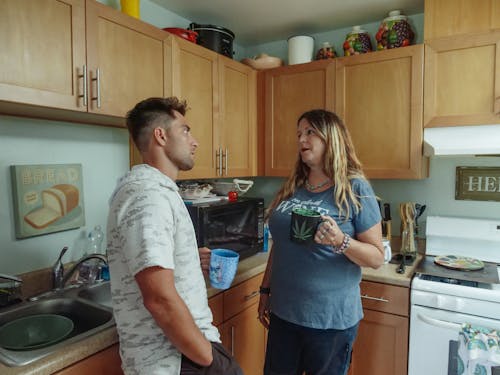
(310,297)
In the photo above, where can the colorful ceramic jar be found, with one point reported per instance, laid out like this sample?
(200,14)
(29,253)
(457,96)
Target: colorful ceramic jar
(326,52)
(394,32)
(357,42)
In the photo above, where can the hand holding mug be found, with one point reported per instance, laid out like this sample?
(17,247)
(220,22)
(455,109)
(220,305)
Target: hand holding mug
(328,232)
(204,253)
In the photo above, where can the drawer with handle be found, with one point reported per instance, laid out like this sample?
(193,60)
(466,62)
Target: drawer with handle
(386,298)
(241,296)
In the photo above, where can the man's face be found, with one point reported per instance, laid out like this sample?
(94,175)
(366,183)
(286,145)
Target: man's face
(180,145)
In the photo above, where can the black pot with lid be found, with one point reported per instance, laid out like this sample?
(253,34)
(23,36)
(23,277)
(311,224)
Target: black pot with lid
(216,38)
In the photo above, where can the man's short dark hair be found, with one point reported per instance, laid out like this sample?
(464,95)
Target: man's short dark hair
(152,112)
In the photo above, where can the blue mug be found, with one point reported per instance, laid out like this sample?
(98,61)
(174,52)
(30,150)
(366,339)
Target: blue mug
(223,266)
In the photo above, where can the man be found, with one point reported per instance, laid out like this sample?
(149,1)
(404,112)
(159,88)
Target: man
(159,296)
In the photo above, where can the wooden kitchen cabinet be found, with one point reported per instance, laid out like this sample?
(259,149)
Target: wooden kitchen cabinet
(244,337)
(43,52)
(105,362)
(221,94)
(381,347)
(443,18)
(379,97)
(289,92)
(124,60)
(462,80)
(195,79)
(78,55)
(235,313)
(237,132)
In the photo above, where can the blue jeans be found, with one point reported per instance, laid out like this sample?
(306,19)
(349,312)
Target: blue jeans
(293,349)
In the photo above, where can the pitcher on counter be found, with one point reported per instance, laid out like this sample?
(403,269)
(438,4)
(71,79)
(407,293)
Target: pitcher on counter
(310,296)
(159,296)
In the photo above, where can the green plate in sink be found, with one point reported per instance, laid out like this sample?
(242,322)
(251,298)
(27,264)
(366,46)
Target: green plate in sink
(34,331)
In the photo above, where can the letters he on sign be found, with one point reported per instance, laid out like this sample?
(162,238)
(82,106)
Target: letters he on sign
(478,183)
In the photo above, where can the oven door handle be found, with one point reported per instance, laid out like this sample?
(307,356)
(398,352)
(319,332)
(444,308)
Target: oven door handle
(439,323)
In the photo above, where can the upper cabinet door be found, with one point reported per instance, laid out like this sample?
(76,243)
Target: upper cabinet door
(462,80)
(43,52)
(237,133)
(379,97)
(124,58)
(195,79)
(444,18)
(289,92)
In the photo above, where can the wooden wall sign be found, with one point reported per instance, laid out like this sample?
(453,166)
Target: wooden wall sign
(47,198)
(478,183)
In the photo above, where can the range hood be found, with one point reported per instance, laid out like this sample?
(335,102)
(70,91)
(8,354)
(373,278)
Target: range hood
(462,140)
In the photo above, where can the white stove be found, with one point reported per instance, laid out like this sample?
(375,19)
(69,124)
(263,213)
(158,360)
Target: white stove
(443,299)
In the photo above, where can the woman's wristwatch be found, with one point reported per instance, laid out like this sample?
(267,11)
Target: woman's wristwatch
(264,290)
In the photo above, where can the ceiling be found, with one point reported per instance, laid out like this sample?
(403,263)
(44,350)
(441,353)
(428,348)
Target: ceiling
(261,21)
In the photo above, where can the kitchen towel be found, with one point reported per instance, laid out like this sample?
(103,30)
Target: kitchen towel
(478,350)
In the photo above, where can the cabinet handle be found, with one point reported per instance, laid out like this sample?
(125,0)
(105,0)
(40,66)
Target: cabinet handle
(97,80)
(232,341)
(220,161)
(248,297)
(380,299)
(227,157)
(217,156)
(84,77)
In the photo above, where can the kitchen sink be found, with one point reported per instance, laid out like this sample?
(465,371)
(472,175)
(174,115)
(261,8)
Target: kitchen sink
(88,308)
(99,293)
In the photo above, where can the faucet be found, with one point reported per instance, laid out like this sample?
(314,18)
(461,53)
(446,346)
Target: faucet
(78,264)
(58,270)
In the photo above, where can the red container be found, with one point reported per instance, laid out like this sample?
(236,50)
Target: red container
(183,33)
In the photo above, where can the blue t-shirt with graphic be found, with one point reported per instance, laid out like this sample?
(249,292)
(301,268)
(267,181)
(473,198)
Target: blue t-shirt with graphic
(311,285)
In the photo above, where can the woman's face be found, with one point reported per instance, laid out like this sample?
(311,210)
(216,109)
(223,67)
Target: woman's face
(311,146)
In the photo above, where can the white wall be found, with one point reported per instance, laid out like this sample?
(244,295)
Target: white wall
(103,153)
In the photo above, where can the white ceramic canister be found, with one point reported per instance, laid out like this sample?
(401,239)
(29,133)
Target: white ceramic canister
(300,49)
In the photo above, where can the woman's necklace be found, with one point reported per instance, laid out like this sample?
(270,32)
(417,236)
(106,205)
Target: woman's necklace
(315,187)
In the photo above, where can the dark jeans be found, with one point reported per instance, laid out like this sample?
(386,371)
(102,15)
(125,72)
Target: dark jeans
(223,363)
(294,349)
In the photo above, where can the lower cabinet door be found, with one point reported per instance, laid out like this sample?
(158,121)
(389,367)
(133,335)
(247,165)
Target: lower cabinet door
(381,347)
(244,337)
(105,362)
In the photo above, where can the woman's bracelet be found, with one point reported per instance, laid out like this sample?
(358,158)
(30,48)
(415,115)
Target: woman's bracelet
(343,246)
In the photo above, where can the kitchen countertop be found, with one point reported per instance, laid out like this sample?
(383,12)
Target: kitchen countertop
(247,268)
(387,273)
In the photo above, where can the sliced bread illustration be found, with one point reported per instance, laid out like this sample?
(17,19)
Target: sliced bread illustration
(57,202)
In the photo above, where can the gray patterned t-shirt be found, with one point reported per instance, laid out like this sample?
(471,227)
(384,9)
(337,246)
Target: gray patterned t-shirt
(149,225)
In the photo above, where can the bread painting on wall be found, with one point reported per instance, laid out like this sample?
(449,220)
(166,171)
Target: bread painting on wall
(48,198)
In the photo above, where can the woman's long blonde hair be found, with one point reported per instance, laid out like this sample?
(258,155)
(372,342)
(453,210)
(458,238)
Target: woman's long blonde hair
(341,164)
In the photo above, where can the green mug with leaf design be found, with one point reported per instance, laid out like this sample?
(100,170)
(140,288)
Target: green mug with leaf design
(303,225)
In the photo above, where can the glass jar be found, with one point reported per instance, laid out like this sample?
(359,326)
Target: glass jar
(394,32)
(357,42)
(326,52)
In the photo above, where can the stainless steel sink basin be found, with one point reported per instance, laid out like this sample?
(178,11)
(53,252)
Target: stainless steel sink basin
(99,293)
(88,315)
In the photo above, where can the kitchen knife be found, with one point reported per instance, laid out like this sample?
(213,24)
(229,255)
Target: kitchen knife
(387,220)
(387,212)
